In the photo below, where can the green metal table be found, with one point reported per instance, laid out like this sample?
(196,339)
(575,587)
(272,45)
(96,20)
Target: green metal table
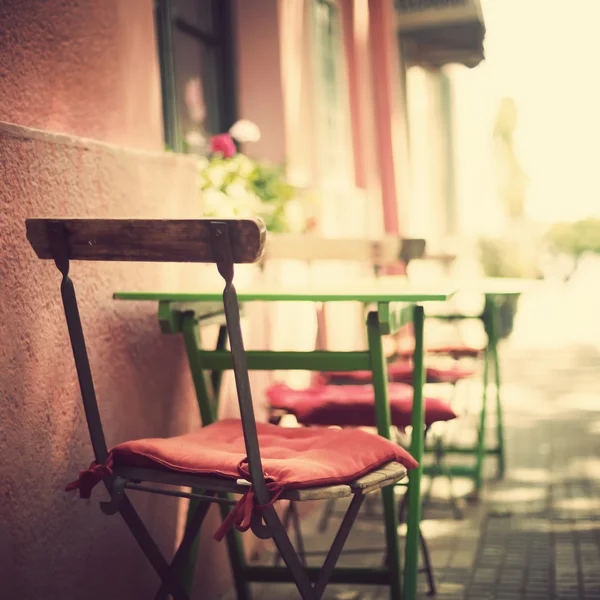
(391,307)
(493,288)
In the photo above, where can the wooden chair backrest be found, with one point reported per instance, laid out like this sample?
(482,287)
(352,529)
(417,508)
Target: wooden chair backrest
(144,239)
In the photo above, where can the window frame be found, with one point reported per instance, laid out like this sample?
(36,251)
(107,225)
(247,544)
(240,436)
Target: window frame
(223,40)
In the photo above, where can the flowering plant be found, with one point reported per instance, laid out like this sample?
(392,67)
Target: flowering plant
(234,185)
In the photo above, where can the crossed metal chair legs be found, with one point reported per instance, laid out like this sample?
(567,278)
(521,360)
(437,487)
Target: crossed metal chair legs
(272,527)
(439,468)
(291,519)
(168,573)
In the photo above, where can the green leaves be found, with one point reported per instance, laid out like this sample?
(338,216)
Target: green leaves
(575,238)
(509,257)
(240,187)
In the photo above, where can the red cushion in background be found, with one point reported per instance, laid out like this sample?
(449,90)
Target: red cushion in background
(291,457)
(400,371)
(352,405)
(345,377)
(449,375)
(456,351)
(406,352)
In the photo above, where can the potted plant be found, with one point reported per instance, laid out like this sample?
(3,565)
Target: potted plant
(234,185)
(507,258)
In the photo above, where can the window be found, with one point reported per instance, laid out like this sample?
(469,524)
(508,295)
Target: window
(195,44)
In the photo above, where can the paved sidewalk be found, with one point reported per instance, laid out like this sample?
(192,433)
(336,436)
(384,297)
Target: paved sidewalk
(536,534)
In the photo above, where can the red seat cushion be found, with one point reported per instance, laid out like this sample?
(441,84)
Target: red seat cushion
(400,371)
(291,457)
(352,405)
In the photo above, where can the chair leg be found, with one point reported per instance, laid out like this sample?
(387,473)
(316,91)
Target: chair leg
(292,560)
(428,567)
(298,533)
(445,472)
(150,549)
(499,420)
(326,515)
(382,418)
(289,555)
(441,469)
(371,501)
(426,495)
(292,517)
(185,546)
(286,525)
(338,544)
(481,429)
(402,508)
(237,558)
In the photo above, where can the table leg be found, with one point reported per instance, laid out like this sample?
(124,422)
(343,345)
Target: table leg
(207,414)
(216,377)
(480,449)
(494,329)
(383,419)
(491,321)
(411,565)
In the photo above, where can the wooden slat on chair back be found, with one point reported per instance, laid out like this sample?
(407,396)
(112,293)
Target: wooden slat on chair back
(147,240)
(384,251)
(412,248)
(308,247)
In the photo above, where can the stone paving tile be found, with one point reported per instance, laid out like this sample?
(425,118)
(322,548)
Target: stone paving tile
(534,535)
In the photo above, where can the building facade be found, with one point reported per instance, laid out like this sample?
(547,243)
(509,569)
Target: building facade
(91,94)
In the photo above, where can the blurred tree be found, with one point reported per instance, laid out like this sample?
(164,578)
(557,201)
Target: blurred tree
(574,240)
(515,253)
(512,180)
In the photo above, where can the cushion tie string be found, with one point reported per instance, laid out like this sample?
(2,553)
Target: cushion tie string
(240,516)
(90,477)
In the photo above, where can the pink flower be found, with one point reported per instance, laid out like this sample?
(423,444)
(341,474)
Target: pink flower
(223,144)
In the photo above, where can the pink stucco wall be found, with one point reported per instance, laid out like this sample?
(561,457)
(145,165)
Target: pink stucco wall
(82,67)
(385,70)
(89,69)
(54,545)
(259,85)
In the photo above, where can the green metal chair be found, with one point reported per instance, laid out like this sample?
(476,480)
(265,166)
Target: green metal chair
(137,465)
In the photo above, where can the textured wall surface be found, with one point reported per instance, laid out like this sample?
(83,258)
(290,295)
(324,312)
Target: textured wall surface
(86,68)
(82,67)
(54,545)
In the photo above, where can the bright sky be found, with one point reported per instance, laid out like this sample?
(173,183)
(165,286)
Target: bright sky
(545,54)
